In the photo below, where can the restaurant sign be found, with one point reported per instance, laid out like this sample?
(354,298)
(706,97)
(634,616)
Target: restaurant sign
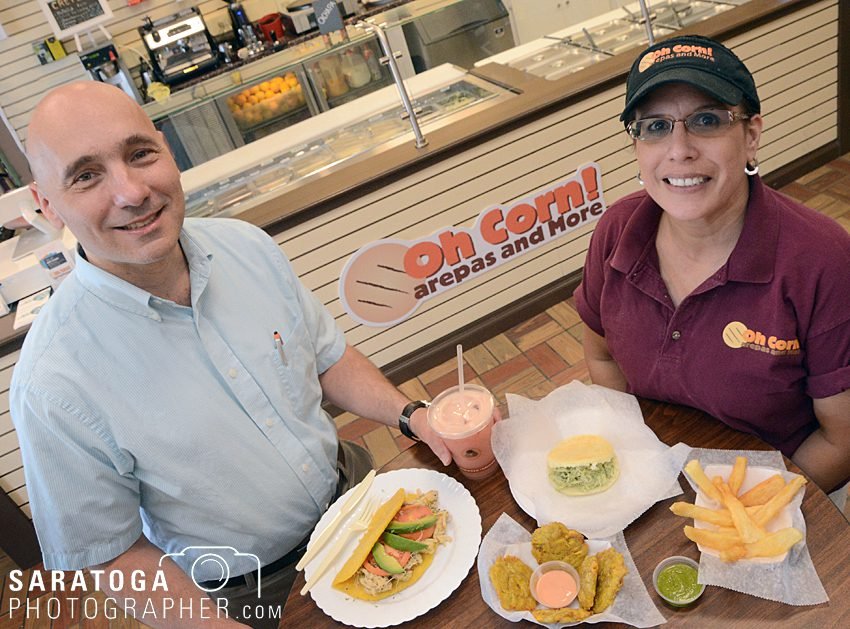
(384,282)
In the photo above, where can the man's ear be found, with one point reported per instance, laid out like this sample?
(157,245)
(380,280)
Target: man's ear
(44,205)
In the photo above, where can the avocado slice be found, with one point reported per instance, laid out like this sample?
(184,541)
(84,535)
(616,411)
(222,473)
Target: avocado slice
(402,543)
(384,561)
(413,525)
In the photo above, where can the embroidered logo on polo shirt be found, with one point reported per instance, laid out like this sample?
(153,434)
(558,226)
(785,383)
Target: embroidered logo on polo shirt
(739,335)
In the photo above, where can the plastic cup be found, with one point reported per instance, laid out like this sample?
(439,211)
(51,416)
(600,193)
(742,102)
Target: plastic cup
(677,599)
(465,422)
(550,566)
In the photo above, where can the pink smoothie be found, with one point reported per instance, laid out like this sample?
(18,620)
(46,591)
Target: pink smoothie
(465,421)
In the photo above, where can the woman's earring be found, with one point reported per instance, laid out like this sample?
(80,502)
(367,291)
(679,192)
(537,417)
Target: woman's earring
(752,170)
(640,181)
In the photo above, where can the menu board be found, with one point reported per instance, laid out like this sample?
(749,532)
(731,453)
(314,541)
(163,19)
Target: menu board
(70,17)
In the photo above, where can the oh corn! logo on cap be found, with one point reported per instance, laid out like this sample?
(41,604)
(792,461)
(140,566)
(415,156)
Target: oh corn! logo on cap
(678,51)
(704,63)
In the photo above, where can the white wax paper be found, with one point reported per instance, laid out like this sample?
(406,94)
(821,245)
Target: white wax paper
(793,581)
(632,605)
(648,468)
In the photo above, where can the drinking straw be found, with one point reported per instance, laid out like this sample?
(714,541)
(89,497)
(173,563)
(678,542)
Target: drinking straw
(460,366)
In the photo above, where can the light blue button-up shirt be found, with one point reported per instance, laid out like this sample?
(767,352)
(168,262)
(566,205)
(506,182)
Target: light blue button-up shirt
(137,414)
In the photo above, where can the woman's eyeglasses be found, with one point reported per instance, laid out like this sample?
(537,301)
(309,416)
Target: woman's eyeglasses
(705,124)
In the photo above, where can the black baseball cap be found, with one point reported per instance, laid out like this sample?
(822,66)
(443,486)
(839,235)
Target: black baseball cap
(704,63)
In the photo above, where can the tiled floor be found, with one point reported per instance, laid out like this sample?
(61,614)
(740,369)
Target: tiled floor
(530,359)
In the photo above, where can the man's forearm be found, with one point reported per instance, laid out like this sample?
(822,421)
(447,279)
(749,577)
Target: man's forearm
(355,384)
(181,605)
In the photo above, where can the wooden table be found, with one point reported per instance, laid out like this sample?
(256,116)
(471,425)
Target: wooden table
(653,536)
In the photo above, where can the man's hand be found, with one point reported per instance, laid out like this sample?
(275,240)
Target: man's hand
(419,424)
(420,427)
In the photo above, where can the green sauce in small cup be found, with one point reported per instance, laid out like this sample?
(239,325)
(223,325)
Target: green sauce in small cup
(678,582)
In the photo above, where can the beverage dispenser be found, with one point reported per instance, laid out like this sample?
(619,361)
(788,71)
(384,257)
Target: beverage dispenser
(104,64)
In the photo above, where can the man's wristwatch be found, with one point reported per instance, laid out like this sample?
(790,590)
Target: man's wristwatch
(404,419)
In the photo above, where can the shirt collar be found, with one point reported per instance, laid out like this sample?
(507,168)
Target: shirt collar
(122,294)
(752,260)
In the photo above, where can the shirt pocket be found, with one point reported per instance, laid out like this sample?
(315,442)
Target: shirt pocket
(295,363)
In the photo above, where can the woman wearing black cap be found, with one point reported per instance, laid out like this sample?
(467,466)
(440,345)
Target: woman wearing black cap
(709,289)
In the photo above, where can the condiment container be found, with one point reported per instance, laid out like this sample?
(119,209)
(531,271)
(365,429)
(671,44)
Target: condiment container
(354,69)
(330,69)
(675,580)
(554,584)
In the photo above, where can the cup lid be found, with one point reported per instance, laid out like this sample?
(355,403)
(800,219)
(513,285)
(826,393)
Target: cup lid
(450,418)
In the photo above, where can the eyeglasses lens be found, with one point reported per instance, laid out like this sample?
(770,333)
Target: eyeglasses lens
(707,123)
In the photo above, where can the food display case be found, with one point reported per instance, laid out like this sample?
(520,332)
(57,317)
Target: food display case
(347,72)
(268,104)
(313,79)
(367,134)
(571,49)
(680,13)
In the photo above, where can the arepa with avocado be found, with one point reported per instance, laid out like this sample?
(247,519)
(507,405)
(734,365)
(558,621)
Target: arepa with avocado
(396,549)
(582,465)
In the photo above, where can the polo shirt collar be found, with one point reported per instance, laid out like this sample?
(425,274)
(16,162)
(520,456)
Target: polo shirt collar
(752,260)
(122,294)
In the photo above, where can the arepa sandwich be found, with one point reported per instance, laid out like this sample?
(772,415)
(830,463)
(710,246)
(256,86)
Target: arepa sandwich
(582,465)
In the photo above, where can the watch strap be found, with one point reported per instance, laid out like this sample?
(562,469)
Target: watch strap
(404,419)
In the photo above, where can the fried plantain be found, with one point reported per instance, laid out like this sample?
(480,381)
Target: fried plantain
(587,574)
(563,614)
(511,577)
(612,569)
(554,541)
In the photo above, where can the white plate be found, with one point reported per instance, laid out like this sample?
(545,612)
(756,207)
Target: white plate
(451,562)
(754,476)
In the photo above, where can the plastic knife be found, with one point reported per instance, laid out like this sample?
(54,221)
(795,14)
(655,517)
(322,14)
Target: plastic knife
(352,501)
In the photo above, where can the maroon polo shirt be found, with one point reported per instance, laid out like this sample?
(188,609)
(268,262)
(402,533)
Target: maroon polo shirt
(754,343)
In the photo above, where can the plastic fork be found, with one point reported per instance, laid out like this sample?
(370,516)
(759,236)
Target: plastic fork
(361,523)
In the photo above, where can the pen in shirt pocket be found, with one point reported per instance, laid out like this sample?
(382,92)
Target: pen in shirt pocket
(278,344)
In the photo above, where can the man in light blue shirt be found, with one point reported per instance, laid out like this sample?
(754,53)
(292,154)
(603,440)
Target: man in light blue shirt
(169,395)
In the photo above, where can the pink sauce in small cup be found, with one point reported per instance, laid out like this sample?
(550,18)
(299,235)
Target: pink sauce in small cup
(556,588)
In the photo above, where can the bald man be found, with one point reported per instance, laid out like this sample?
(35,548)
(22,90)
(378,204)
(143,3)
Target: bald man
(168,398)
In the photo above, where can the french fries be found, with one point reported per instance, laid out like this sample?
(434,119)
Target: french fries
(694,470)
(739,521)
(749,531)
(778,502)
(774,543)
(736,477)
(718,517)
(762,492)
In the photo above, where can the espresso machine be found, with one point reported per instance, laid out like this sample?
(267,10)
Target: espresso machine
(180,46)
(104,64)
